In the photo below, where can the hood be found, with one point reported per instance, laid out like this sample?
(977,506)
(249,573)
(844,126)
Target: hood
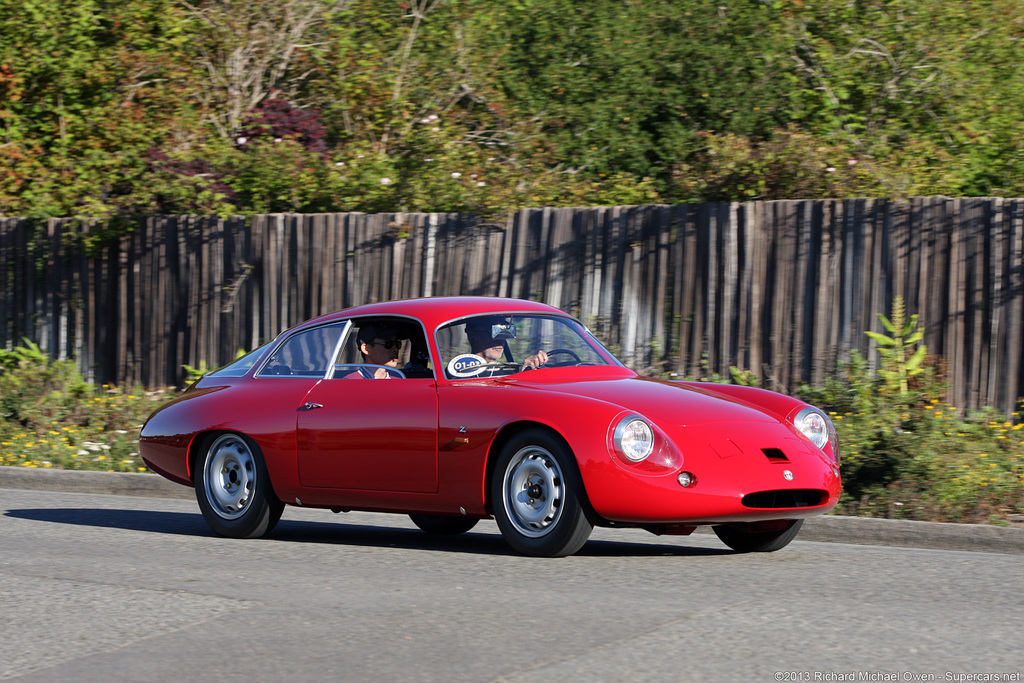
(663,402)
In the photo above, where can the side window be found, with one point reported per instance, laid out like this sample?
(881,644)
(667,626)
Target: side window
(395,343)
(305,354)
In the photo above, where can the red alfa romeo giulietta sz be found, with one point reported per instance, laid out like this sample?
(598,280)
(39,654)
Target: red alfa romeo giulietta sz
(453,410)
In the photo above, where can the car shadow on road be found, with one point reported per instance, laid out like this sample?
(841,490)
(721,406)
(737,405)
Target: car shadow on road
(340,533)
(476,542)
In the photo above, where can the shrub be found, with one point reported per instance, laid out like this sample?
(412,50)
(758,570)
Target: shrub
(51,417)
(906,453)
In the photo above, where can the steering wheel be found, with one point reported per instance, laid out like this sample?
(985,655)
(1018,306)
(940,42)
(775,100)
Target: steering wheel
(569,352)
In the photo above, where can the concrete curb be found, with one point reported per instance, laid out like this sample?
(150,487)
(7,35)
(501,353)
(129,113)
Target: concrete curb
(829,528)
(109,483)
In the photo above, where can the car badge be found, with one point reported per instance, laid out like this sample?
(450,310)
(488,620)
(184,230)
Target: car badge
(787,475)
(466,365)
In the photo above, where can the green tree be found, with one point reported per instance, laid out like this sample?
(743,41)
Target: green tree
(82,93)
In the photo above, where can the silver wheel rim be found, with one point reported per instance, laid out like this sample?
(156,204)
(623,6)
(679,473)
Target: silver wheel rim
(533,491)
(230,476)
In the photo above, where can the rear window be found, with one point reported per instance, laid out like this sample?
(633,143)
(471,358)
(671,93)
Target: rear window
(240,366)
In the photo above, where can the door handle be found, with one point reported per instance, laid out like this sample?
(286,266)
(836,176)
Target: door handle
(312,406)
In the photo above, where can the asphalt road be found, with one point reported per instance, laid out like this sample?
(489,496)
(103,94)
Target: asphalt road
(100,587)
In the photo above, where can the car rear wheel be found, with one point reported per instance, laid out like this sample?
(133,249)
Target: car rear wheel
(742,539)
(233,488)
(538,496)
(437,524)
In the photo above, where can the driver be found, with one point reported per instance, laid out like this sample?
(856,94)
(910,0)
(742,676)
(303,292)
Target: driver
(491,348)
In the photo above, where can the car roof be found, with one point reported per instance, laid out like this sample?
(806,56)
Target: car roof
(433,311)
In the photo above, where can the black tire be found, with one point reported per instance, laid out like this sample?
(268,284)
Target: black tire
(538,497)
(737,537)
(233,488)
(449,526)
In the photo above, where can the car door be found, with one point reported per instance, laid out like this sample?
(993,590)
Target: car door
(369,434)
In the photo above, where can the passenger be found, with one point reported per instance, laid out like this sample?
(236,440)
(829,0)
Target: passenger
(380,345)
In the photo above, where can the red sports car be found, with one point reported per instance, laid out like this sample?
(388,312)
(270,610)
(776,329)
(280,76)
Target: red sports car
(458,409)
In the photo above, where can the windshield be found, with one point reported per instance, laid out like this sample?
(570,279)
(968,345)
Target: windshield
(498,345)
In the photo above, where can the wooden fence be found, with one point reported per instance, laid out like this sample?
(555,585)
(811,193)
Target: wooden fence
(784,289)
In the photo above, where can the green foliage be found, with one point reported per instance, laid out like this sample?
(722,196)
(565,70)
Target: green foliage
(908,455)
(51,417)
(744,378)
(792,164)
(193,375)
(901,360)
(934,466)
(34,390)
(83,92)
(113,111)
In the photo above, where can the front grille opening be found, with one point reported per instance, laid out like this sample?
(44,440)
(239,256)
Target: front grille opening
(785,498)
(774,455)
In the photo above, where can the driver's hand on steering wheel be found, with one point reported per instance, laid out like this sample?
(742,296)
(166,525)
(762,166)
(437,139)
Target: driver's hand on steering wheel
(535,361)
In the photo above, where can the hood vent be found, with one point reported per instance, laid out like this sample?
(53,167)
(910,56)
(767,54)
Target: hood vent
(774,455)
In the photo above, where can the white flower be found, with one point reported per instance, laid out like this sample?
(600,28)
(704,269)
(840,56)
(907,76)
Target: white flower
(481,184)
(852,162)
(340,163)
(385,181)
(242,141)
(830,169)
(456,174)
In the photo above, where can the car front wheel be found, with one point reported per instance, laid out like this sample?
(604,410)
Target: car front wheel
(233,488)
(538,497)
(741,539)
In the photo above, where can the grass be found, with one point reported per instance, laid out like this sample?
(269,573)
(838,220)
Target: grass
(101,434)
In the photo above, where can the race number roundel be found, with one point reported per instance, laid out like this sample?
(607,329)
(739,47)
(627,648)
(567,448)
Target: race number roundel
(466,365)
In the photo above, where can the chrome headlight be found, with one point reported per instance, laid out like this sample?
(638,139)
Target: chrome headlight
(816,426)
(634,438)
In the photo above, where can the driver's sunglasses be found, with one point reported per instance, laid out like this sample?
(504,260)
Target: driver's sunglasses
(389,344)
